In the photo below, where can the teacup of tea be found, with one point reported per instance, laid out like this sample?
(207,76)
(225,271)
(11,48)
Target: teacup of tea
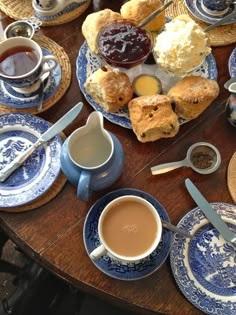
(217,7)
(129,229)
(22,64)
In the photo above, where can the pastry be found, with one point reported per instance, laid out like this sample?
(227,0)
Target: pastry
(192,95)
(110,89)
(137,10)
(152,117)
(94,22)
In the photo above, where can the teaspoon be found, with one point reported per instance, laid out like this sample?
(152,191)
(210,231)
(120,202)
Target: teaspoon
(221,21)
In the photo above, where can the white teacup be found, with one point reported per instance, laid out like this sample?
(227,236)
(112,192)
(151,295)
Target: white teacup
(129,229)
(22,64)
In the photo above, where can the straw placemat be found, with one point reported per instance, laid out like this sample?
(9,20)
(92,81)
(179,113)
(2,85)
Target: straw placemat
(46,197)
(20,9)
(64,61)
(220,36)
(231,177)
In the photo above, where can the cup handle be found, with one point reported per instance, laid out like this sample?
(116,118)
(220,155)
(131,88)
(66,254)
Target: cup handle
(98,252)
(83,189)
(46,66)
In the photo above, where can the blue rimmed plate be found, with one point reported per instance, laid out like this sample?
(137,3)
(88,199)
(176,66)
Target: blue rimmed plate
(194,7)
(17,132)
(232,64)
(87,63)
(115,269)
(11,98)
(205,267)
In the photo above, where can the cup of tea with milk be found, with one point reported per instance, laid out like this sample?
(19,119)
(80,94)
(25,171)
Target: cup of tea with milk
(129,229)
(22,64)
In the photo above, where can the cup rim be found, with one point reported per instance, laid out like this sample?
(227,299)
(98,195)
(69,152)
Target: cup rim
(155,243)
(22,39)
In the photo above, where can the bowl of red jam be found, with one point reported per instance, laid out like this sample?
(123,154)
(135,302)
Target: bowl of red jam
(124,45)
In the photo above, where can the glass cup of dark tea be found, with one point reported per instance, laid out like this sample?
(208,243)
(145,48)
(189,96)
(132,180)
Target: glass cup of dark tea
(122,44)
(22,64)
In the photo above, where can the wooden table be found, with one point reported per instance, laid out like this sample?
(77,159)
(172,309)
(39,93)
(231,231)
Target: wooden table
(52,234)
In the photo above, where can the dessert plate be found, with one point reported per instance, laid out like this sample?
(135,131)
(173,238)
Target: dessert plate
(11,98)
(194,7)
(87,63)
(204,267)
(39,171)
(232,64)
(119,270)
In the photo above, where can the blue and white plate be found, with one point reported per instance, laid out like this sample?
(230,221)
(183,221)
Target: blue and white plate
(87,63)
(115,269)
(232,64)
(18,131)
(194,7)
(205,267)
(11,98)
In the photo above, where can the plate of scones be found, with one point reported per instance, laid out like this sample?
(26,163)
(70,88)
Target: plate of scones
(112,92)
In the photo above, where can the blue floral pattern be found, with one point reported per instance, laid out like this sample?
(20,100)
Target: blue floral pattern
(18,131)
(205,267)
(232,64)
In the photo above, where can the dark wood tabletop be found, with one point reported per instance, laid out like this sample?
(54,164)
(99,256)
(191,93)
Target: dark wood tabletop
(53,234)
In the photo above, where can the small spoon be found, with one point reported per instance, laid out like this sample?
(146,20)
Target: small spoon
(221,21)
(175,229)
(155,13)
(194,154)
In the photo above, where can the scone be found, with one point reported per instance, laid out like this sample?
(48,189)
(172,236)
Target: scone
(110,89)
(137,10)
(94,22)
(152,117)
(192,95)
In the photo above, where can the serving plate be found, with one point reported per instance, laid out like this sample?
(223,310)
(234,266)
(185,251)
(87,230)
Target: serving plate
(204,267)
(114,268)
(194,7)
(17,132)
(232,64)
(87,63)
(11,98)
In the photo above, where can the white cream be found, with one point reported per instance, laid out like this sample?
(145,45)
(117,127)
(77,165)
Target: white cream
(182,46)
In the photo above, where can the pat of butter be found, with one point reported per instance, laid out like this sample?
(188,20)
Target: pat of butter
(146,84)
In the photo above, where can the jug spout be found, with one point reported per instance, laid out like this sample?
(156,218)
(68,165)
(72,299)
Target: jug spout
(95,121)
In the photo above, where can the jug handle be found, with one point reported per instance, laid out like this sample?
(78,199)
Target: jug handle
(83,188)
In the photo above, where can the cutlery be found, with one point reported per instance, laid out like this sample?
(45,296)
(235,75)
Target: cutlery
(61,124)
(209,212)
(151,16)
(41,94)
(221,21)
(175,229)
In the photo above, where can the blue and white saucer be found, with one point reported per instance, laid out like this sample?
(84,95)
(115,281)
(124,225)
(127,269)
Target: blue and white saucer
(119,270)
(11,98)
(205,267)
(232,64)
(87,63)
(194,7)
(18,131)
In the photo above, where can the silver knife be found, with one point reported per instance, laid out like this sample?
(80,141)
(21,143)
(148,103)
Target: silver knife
(209,212)
(61,124)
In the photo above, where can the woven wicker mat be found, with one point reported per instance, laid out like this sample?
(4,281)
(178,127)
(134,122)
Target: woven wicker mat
(220,36)
(20,9)
(231,177)
(49,194)
(64,61)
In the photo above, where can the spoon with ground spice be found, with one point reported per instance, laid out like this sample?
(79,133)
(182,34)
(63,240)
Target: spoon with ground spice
(202,157)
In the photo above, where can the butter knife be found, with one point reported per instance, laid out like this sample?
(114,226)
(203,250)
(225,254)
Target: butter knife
(209,212)
(61,124)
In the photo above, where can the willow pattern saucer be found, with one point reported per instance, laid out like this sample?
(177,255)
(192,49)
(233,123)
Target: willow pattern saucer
(111,267)
(87,63)
(205,267)
(11,98)
(194,7)
(232,64)
(18,131)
